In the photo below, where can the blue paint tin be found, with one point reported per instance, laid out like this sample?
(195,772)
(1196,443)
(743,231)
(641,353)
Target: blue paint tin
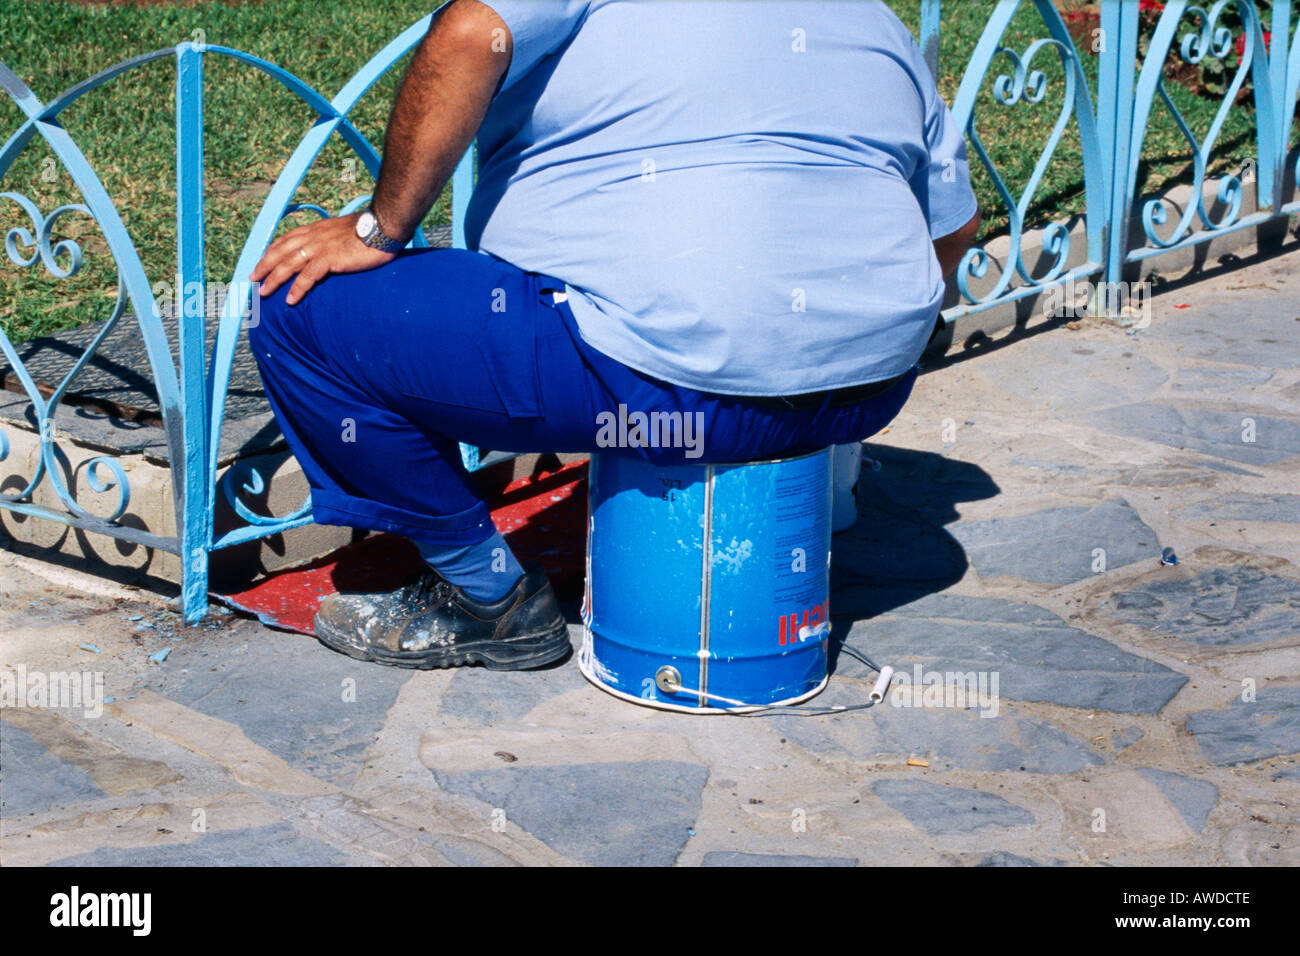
(708,586)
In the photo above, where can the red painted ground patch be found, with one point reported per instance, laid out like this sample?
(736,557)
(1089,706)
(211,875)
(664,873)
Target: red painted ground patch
(543,517)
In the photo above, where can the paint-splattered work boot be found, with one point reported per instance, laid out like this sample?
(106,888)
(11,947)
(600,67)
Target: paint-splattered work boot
(432,623)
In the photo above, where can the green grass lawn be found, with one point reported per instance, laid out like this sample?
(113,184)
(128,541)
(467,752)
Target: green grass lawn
(127,127)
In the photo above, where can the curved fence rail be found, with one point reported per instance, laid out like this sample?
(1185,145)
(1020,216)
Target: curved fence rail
(1111,123)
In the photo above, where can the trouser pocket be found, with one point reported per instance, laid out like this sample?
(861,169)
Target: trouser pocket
(486,361)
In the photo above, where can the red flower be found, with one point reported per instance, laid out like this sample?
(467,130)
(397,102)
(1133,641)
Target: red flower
(1147,6)
(1241,43)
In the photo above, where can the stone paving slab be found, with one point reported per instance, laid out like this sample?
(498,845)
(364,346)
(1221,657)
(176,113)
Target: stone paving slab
(1143,714)
(949,738)
(32,778)
(1230,379)
(318,712)
(1193,798)
(1064,358)
(773,860)
(485,698)
(1247,731)
(1037,656)
(1003,858)
(1243,506)
(1058,545)
(1123,739)
(275,845)
(1211,431)
(939,809)
(1255,336)
(609,814)
(1220,606)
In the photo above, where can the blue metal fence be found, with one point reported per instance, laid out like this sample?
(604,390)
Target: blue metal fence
(1111,122)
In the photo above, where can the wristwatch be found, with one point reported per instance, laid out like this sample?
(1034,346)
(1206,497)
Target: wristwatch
(368,231)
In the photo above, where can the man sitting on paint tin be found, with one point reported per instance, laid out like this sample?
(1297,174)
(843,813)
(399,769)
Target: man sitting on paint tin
(739,214)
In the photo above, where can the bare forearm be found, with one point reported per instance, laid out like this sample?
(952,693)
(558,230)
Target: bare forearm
(949,249)
(441,103)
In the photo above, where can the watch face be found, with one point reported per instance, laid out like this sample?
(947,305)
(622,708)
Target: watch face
(366,224)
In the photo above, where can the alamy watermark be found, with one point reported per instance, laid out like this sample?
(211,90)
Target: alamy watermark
(961,690)
(207,299)
(651,430)
(131,911)
(53,689)
(1076,298)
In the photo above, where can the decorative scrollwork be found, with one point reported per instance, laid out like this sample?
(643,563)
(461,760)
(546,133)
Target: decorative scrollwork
(25,249)
(1029,85)
(1207,39)
(1216,41)
(244,476)
(98,485)
(974,265)
(40,247)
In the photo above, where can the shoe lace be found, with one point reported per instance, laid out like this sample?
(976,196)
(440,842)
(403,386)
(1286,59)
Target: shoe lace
(429,588)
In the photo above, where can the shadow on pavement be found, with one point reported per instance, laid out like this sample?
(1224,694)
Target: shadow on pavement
(899,551)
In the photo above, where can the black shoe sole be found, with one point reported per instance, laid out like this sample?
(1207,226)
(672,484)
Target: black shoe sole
(522,653)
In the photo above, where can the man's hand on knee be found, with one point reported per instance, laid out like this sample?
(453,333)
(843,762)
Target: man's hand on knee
(312,252)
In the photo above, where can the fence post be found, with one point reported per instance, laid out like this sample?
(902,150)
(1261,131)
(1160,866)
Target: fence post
(1283,108)
(462,184)
(191,483)
(1115,84)
(930,11)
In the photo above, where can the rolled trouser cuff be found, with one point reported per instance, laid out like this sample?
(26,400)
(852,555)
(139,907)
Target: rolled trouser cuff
(467,527)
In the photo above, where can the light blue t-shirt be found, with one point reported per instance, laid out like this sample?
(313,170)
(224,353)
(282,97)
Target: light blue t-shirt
(740,196)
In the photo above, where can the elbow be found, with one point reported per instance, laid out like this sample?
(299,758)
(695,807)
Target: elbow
(471,28)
